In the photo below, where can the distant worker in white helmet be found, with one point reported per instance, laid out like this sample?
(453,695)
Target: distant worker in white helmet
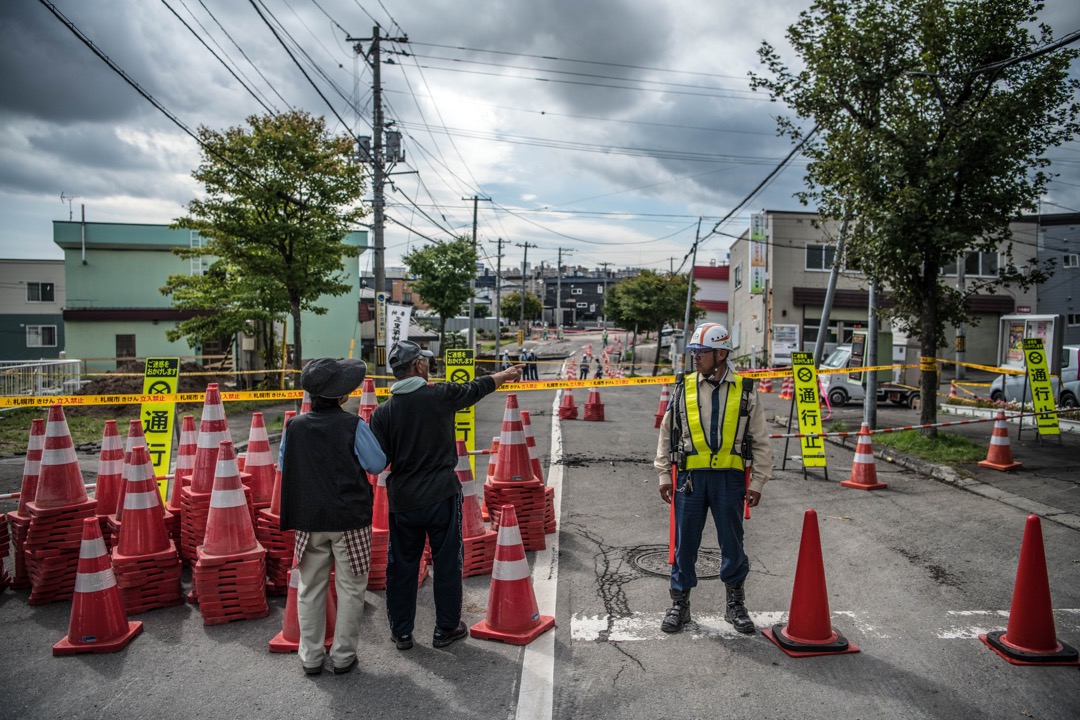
(713,432)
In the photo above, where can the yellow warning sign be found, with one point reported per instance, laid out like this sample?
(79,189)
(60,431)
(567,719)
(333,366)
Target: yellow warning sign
(160,378)
(460,366)
(808,408)
(1042,392)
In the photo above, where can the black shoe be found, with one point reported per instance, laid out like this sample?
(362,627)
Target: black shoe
(347,668)
(312,670)
(403,643)
(736,613)
(442,638)
(678,614)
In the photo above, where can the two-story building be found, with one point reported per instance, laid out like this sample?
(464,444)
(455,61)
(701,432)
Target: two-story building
(1059,241)
(31,302)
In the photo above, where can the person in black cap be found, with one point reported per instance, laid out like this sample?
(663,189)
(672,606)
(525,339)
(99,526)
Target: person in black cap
(327,500)
(416,430)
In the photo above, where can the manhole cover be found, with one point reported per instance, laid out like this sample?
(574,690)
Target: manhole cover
(654,560)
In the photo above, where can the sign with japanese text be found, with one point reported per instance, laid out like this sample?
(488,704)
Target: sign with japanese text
(160,378)
(380,319)
(460,364)
(1042,392)
(398,318)
(808,408)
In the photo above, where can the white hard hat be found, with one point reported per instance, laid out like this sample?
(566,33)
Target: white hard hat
(710,336)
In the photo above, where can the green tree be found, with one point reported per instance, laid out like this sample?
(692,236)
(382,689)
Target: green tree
(280,196)
(510,306)
(650,300)
(934,118)
(441,275)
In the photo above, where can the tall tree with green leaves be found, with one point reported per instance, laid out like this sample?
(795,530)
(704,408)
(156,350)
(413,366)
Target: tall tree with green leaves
(510,305)
(280,196)
(650,300)
(441,274)
(933,118)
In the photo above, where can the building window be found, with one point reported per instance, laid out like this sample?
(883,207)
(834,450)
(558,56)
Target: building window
(976,264)
(40,292)
(738,276)
(1070,260)
(1073,319)
(819,257)
(576,291)
(40,336)
(600,288)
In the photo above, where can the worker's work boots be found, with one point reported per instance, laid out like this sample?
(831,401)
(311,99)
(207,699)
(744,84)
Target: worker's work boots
(679,612)
(736,609)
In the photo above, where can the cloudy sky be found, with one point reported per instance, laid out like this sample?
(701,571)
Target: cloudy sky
(602,126)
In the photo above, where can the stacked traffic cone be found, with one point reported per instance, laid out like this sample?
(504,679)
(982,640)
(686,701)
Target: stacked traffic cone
(110,478)
(56,516)
(20,518)
(661,409)
(380,534)
(513,481)
(478,542)
(809,630)
(954,396)
(259,464)
(594,409)
(135,438)
(568,410)
(185,463)
(1031,638)
(305,404)
(195,496)
(98,623)
(538,473)
(512,614)
(230,571)
(863,470)
(787,388)
(280,544)
(288,640)
(368,401)
(145,560)
(999,455)
(765,385)
(493,461)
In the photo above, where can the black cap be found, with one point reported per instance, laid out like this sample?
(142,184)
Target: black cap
(404,353)
(330,378)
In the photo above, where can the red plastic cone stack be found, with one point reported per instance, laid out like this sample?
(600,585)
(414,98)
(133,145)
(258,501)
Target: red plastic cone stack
(568,410)
(594,409)
(288,640)
(305,404)
(493,461)
(20,518)
(60,505)
(661,409)
(478,541)
(110,478)
(135,438)
(765,385)
(863,470)
(185,462)
(145,560)
(512,614)
(538,473)
(787,388)
(230,572)
(809,630)
(380,534)
(513,481)
(999,456)
(260,464)
(195,497)
(368,401)
(280,544)
(98,623)
(1031,638)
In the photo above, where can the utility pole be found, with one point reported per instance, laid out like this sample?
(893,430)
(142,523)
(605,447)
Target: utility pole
(961,327)
(558,293)
(472,278)
(689,300)
(524,262)
(498,289)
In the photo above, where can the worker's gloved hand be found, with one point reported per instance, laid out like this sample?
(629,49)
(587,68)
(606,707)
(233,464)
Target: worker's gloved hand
(666,492)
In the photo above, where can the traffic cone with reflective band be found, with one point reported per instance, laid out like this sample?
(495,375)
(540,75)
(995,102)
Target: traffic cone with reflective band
(514,464)
(61,480)
(787,388)
(513,481)
(135,438)
(213,428)
(259,464)
(999,455)
(110,470)
(368,400)
(809,630)
(288,640)
(1030,638)
(98,623)
(568,410)
(594,409)
(280,544)
(305,404)
(493,461)
(380,534)
(661,409)
(863,470)
(143,531)
(765,385)
(512,614)
(228,526)
(478,542)
(953,395)
(185,461)
(530,443)
(20,518)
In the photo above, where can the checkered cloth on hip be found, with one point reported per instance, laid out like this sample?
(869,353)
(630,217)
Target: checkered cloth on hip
(357,545)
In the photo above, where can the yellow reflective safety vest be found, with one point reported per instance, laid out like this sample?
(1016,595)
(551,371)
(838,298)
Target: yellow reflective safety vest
(723,458)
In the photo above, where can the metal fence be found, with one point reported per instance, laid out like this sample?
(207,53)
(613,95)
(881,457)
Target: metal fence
(40,377)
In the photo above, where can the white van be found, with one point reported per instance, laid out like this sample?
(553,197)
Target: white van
(841,387)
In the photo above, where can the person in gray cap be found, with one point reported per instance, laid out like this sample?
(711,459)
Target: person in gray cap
(415,428)
(327,500)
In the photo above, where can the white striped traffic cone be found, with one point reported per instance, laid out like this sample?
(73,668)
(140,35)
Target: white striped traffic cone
(863,470)
(999,454)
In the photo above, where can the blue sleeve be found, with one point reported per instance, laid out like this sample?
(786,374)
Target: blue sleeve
(367,449)
(281,450)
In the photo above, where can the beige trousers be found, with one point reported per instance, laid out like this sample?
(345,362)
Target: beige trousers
(322,551)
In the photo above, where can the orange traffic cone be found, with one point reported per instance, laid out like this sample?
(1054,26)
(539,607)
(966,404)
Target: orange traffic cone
(110,470)
(809,630)
(259,463)
(228,525)
(472,522)
(305,404)
(530,443)
(999,454)
(512,615)
(288,640)
(185,461)
(513,465)
(135,438)
(61,482)
(765,385)
(20,518)
(953,395)
(275,501)
(143,530)
(661,409)
(368,401)
(98,623)
(594,408)
(1031,638)
(863,470)
(213,429)
(787,388)
(567,410)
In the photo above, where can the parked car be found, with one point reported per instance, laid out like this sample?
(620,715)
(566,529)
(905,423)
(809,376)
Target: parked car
(1070,394)
(841,388)
(1011,388)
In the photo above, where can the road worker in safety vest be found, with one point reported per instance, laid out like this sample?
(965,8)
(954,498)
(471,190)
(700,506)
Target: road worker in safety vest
(714,441)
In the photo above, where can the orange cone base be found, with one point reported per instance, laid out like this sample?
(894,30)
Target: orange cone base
(863,486)
(1004,467)
(795,648)
(89,645)
(481,631)
(996,641)
(280,645)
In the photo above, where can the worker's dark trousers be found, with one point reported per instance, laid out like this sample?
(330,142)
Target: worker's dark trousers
(722,492)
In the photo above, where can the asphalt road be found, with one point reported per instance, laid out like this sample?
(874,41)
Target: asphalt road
(913,573)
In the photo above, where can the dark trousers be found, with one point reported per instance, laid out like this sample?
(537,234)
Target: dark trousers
(722,492)
(440,525)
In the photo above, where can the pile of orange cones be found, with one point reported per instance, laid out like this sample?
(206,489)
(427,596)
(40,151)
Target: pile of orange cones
(594,409)
(661,409)
(259,465)
(368,401)
(135,438)
(57,512)
(999,454)
(230,570)
(478,542)
(538,473)
(787,388)
(98,623)
(380,534)
(288,640)
(145,560)
(195,496)
(568,410)
(765,385)
(512,614)
(185,463)
(280,544)
(110,478)
(493,462)
(863,470)
(20,518)
(513,482)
